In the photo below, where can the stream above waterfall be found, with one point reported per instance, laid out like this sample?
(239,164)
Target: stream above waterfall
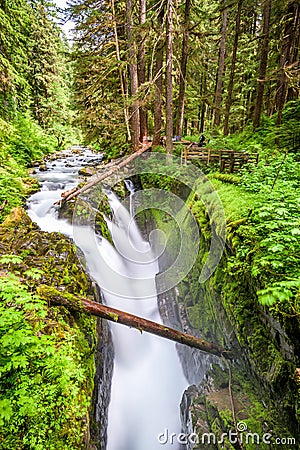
(148,381)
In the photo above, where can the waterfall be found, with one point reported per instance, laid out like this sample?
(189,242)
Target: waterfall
(148,380)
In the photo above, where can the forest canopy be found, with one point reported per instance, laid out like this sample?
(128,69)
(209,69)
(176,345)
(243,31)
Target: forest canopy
(182,68)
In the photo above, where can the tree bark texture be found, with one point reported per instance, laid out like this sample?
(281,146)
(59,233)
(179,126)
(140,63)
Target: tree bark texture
(263,64)
(158,86)
(133,72)
(169,78)
(221,65)
(183,64)
(71,302)
(142,72)
(232,70)
(121,77)
(286,57)
(293,91)
(203,105)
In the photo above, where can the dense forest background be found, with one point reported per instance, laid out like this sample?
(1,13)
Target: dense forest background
(183,68)
(135,70)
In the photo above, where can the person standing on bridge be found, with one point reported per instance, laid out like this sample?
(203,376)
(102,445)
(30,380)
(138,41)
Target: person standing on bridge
(202,141)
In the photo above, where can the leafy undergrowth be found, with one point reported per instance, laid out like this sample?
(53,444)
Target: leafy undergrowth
(20,143)
(269,140)
(46,352)
(262,255)
(260,271)
(42,399)
(262,206)
(267,244)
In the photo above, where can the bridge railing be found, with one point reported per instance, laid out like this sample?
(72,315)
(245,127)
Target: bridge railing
(228,160)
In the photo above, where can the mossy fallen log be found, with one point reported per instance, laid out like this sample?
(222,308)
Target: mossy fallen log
(71,302)
(68,195)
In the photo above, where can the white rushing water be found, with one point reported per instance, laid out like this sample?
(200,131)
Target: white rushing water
(148,381)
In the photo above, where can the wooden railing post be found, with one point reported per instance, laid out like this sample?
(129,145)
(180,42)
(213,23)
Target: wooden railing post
(231,164)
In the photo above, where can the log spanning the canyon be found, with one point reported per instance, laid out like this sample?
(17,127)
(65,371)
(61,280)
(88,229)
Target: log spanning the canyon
(68,195)
(53,296)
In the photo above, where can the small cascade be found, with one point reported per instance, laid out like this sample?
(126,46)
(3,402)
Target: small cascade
(130,188)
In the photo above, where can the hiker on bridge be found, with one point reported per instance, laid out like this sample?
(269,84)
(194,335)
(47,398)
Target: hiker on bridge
(202,141)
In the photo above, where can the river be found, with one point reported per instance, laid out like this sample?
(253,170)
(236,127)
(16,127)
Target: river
(148,381)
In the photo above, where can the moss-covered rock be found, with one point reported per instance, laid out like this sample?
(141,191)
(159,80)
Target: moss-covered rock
(47,263)
(263,351)
(225,310)
(87,171)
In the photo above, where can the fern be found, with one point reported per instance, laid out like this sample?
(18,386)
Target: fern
(41,375)
(281,291)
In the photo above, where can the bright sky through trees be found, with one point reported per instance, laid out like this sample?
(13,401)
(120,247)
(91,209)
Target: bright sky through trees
(67,26)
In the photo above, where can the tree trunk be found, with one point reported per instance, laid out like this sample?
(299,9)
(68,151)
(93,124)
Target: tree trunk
(232,70)
(142,73)
(203,93)
(169,79)
(133,71)
(123,90)
(287,57)
(68,195)
(221,65)
(115,315)
(183,64)
(158,87)
(293,91)
(263,64)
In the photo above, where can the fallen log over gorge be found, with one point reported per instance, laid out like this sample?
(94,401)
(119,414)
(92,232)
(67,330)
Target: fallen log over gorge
(55,297)
(66,196)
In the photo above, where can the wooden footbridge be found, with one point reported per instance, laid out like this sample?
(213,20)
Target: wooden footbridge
(228,160)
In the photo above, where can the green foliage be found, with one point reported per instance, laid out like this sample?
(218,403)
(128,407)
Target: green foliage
(21,141)
(35,90)
(263,211)
(266,244)
(15,18)
(269,140)
(10,259)
(29,141)
(42,374)
(283,291)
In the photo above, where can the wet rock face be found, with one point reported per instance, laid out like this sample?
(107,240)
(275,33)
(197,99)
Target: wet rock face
(52,253)
(56,258)
(255,389)
(258,387)
(104,356)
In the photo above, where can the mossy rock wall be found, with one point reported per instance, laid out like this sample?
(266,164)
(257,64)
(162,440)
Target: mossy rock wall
(260,377)
(50,260)
(259,382)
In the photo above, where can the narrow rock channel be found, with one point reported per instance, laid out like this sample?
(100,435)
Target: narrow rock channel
(148,380)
